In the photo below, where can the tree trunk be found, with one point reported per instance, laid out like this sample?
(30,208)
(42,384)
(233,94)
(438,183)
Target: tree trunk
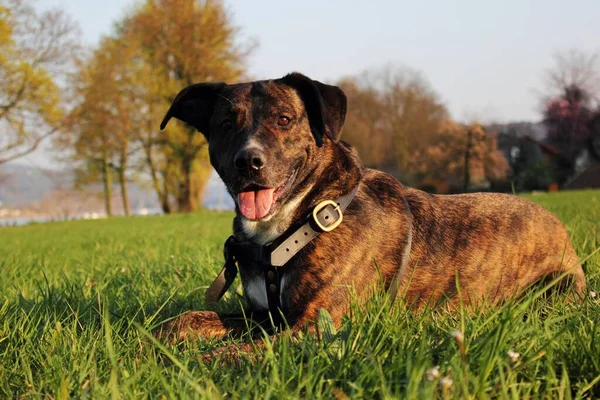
(124,192)
(467,178)
(188,198)
(106,179)
(123,181)
(161,193)
(164,196)
(165,205)
(185,200)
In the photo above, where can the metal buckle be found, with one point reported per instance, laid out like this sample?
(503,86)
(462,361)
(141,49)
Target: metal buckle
(334,224)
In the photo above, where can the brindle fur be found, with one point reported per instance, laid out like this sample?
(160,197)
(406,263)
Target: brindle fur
(421,245)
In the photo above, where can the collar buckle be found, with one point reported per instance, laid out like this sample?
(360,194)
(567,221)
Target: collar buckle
(329,206)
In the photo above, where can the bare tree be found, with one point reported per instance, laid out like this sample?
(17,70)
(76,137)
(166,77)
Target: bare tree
(573,69)
(572,107)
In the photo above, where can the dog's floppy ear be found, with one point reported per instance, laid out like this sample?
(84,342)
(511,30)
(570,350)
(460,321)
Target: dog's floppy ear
(194,106)
(324,104)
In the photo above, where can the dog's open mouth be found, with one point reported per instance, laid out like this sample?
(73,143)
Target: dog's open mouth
(256,202)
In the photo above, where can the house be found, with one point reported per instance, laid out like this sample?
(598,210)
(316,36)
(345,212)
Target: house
(590,178)
(587,167)
(539,165)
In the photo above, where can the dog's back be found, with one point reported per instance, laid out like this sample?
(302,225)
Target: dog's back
(494,245)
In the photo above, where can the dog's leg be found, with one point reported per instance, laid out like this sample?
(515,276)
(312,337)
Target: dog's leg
(208,324)
(232,354)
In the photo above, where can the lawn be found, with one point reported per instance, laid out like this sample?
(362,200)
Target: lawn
(77,300)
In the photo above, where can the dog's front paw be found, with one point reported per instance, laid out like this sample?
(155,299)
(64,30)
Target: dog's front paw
(193,325)
(168,332)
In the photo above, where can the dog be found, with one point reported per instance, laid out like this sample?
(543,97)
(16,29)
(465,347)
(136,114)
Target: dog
(276,146)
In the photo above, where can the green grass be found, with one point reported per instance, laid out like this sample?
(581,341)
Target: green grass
(78,298)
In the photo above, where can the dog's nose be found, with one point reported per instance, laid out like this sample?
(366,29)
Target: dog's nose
(249,159)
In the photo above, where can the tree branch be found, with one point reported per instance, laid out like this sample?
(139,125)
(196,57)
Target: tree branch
(32,147)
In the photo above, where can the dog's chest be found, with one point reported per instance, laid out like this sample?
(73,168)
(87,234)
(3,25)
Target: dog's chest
(255,290)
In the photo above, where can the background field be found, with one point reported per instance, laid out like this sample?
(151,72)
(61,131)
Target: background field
(77,300)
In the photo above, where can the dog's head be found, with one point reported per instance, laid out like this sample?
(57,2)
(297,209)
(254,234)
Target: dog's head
(266,137)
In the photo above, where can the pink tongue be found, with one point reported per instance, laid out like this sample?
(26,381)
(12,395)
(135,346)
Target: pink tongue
(255,204)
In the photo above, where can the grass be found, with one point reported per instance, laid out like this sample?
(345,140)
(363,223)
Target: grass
(77,300)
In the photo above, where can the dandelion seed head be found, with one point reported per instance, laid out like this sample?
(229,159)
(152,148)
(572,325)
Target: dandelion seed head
(432,373)
(446,382)
(458,336)
(513,356)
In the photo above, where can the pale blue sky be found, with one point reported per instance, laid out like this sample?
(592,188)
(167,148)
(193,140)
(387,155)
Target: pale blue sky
(485,59)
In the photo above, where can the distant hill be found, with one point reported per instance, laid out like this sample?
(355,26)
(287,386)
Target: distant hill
(22,185)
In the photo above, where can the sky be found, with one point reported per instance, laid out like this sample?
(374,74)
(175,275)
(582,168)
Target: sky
(485,59)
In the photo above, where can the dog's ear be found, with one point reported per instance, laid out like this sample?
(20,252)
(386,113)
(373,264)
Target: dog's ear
(194,105)
(325,106)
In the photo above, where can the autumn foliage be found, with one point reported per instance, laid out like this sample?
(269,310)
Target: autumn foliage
(399,125)
(463,157)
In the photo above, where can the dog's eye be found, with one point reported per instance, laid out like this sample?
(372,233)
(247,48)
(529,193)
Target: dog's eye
(283,121)
(226,124)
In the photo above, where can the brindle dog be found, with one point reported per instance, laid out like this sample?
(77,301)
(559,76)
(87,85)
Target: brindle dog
(276,146)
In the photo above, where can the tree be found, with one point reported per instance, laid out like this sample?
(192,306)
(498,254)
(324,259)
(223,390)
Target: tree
(154,160)
(398,124)
(103,119)
(573,69)
(92,143)
(569,121)
(34,48)
(462,157)
(181,42)
(392,113)
(571,106)
(362,129)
